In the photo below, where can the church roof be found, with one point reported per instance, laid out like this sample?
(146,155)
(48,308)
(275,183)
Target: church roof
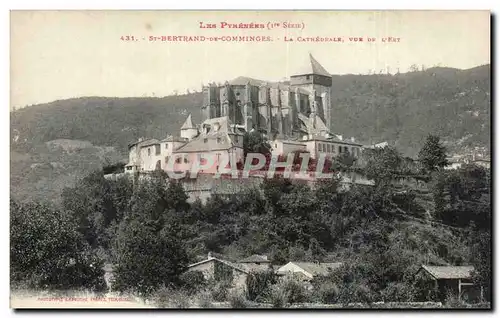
(312,67)
(243,80)
(188,124)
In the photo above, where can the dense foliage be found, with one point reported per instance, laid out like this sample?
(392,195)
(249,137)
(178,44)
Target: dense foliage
(381,233)
(47,252)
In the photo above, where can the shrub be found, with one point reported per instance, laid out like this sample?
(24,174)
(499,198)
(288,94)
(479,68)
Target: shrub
(363,294)
(258,284)
(219,291)
(166,297)
(192,281)
(454,301)
(356,292)
(204,300)
(425,289)
(288,291)
(278,297)
(295,290)
(326,292)
(398,292)
(237,299)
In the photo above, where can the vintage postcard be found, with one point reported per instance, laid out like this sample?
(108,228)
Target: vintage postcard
(250,159)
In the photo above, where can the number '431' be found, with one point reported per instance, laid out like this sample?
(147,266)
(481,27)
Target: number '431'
(128,38)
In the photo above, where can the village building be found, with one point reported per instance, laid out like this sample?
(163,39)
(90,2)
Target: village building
(307,270)
(455,280)
(217,139)
(256,263)
(458,161)
(485,163)
(217,269)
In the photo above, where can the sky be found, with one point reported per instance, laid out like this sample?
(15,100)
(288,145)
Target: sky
(65,54)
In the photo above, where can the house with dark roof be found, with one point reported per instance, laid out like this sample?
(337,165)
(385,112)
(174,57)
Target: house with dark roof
(444,280)
(256,263)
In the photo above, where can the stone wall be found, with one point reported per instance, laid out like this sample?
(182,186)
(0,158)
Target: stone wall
(205,185)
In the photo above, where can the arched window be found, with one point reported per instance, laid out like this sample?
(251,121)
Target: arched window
(158,165)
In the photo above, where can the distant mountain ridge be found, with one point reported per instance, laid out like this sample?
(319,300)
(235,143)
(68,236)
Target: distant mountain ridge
(401,109)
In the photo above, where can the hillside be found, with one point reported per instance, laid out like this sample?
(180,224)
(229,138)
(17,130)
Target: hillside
(102,120)
(404,108)
(401,109)
(42,173)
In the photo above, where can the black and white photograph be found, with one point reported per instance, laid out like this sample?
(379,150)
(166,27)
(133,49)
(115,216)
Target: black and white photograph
(250,160)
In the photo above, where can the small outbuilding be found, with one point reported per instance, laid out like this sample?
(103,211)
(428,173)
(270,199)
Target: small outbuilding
(217,269)
(450,279)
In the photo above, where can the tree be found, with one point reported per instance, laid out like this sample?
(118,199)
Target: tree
(147,258)
(414,68)
(481,275)
(149,246)
(343,162)
(462,197)
(433,154)
(255,142)
(90,203)
(382,165)
(258,284)
(47,252)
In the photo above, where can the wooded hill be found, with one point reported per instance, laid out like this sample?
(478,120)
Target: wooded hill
(401,109)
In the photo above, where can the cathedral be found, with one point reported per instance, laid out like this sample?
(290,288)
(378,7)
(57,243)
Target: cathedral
(294,115)
(299,107)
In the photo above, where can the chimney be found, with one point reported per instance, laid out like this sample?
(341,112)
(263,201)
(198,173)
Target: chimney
(209,255)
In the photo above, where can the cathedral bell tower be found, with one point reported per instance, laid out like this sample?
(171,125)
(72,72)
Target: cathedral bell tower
(314,78)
